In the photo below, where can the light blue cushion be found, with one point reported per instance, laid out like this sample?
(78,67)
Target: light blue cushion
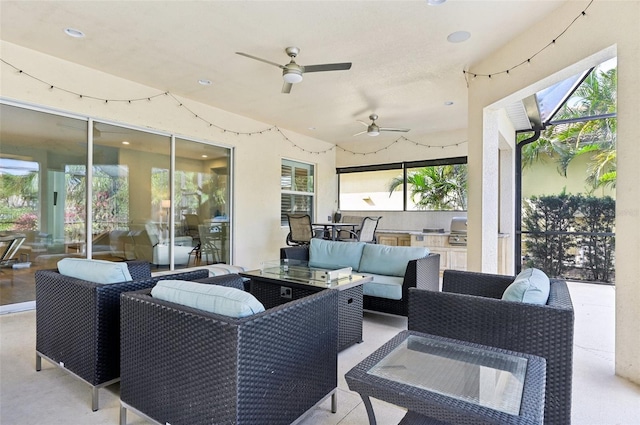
(531,286)
(389,260)
(222,300)
(335,255)
(99,271)
(383,286)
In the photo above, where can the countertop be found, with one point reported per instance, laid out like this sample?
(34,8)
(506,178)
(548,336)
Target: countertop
(412,232)
(421,233)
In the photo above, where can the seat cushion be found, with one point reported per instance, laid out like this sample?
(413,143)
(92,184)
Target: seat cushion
(530,286)
(389,260)
(98,271)
(389,287)
(335,255)
(217,299)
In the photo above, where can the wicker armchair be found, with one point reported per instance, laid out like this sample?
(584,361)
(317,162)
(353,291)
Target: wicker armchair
(78,322)
(469,308)
(194,367)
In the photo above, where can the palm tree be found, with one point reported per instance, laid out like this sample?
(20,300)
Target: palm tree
(595,96)
(441,187)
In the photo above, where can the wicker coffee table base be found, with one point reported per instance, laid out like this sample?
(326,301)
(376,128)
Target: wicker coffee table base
(350,303)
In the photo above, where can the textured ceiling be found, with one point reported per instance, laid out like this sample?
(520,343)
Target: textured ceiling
(404,69)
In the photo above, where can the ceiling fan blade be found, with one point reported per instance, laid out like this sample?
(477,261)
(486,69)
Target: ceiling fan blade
(286,87)
(362,132)
(260,59)
(328,67)
(403,130)
(363,123)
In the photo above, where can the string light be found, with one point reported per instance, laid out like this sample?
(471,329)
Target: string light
(553,42)
(402,139)
(181,105)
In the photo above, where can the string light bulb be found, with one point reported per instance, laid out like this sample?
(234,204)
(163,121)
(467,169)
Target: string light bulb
(553,42)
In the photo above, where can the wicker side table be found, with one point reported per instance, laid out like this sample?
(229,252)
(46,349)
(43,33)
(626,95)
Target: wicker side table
(446,381)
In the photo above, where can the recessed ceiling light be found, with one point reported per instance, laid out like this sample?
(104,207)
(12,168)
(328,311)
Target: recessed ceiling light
(458,36)
(72,32)
(205,156)
(448,103)
(204,82)
(124,142)
(435,2)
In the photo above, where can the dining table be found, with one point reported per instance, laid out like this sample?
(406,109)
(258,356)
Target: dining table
(334,228)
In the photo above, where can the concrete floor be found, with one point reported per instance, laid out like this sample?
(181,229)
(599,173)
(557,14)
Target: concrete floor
(52,396)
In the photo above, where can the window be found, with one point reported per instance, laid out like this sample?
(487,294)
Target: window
(438,185)
(367,188)
(45,178)
(297,189)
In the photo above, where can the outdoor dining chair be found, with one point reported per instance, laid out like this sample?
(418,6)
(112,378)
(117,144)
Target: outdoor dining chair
(300,230)
(367,231)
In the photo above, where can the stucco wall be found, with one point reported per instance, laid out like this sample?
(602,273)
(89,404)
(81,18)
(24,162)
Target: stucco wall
(609,29)
(543,178)
(258,234)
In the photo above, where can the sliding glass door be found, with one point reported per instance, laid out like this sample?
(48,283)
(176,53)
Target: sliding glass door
(51,164)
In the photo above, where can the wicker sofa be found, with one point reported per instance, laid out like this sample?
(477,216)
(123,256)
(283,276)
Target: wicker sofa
(196,367)
(469,308)
(421,271)
(78,322)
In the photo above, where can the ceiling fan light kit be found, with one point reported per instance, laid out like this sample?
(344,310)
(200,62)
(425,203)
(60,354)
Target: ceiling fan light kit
(292,72)
(373,129)
(292,76)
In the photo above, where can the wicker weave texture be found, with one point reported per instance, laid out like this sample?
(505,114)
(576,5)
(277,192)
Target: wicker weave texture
(545,331)
(349,306)
(77,321)
(432,408)
(229,280)
(268,293)
(185,366)
(349,317)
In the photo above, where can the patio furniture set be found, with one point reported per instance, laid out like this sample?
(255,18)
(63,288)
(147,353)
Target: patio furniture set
(193,349)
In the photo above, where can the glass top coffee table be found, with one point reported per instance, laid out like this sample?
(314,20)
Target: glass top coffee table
(299,272)
(281,281)
(451,381)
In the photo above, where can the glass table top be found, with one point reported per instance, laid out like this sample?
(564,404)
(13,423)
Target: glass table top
(298,271)
(475,375)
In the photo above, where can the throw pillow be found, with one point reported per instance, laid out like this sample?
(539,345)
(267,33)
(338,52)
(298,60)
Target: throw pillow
(334,255)
(530,286)
(99,271)
(222,300)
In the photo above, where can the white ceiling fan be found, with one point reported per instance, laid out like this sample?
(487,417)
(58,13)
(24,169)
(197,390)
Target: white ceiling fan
(374,130)
(292,72)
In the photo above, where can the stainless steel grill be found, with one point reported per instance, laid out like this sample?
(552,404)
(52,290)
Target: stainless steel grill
(458,236)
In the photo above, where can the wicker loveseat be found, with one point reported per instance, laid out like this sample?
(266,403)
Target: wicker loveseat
(469,308)
(78,322)
(190,366)
(394,269)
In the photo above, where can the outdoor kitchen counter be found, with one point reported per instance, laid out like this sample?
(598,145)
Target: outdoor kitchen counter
(451,256)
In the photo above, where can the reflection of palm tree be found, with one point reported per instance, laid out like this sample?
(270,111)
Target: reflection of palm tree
(595,96)
(439,187)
